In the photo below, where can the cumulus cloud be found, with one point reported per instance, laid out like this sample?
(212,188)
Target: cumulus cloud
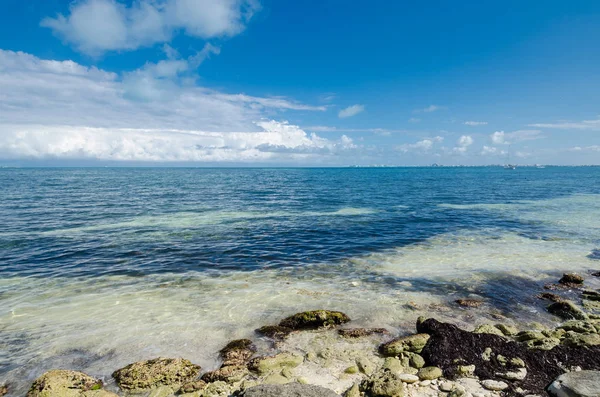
(498,137)
(428,109)
(60,109)
(463,144)
(420,146)
(97,26)
(475,123)
(502,138)
(351,111)
(492,151)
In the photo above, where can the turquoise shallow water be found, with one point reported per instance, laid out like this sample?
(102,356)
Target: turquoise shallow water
(104,265)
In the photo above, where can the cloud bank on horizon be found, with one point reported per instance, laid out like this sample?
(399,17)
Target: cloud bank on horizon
(90,106)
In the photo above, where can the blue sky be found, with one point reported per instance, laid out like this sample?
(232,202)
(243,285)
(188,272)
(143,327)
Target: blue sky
(264,82)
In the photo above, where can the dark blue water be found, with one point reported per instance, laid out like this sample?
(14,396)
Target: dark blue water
(137,221)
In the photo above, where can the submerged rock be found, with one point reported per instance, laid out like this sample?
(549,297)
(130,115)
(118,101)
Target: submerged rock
(237,352)
(3,390)
(288,390)
(314,319)
(571,278)
(469,302)
(576,384)
(274,331)
(549,296)
(567,310)
(360,332)
(157,372)
(65,383)
(591,295)
(411,343)
(269,364)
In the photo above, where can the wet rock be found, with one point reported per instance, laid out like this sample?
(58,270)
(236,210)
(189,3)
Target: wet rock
(360,332)
(571,278)
(157,372)
(274,331)
(469,302)
(494,385)
(265,365)
(237,352)
(227,374)
(3,390)
(411,343)
(383,384)
(576,384)
(288,390)
(591,295)
(567,310)
(549,296)
(314,319)
(193,386)
(488,329)
(507,330)
(597,274)
(430,373)
(64,383)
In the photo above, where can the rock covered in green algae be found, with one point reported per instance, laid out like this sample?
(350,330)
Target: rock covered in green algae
(65,383)
(157,372)
(430,373)
(507,330)
(237,352)
(276,363)
(591,295)
(575,339)
(288,390)
(227,374)
(412,343)
(314,319)
(579,326)
(383,384)
(488,329)
(360,332)
(567,310)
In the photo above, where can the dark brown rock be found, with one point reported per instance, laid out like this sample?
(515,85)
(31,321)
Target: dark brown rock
(567,310)
(157,372)
(274,331)
(314,319)
(192,386)
(549,296)
(469,302)
(237,352)
(228,374)
(571,278)
(360,332)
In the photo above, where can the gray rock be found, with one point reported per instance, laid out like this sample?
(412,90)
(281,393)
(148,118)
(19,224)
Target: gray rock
(288,390)
(576,384)
(494,385)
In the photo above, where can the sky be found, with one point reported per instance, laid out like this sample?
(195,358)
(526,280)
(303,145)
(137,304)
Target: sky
(299,83)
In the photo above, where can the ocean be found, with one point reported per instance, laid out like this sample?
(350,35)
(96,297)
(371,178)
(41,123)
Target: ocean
(100,267)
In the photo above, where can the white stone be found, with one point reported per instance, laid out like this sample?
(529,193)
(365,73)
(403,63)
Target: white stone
(426,382)
(408,378)
(494,385)
(519,374)
(446,386)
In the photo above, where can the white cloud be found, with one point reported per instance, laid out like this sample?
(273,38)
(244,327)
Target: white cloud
(351,111)
(420,146)
(428,109)
(97,26)
(475,123)
(498,137)
(60,109)
(581,125)
(492,151)
(463,144)
(502,138)
(593,148)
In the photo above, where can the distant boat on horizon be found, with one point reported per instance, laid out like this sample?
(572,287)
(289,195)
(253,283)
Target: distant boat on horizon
(510,167)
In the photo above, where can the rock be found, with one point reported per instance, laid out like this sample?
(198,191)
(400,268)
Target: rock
(157,372)
(571,278)
(574,339)
(430,373)
(488,329)
(543,344)
(466,370)
(276,379)
(352,370)
(591,295)
(519,374)
(412,343)
(265,365)
(446,386)
(288,390)
(517,362)
(567,310)
(549,296)
(487,354)
(494,385)
(576,384)
(507,330)
(360,332)
(3,390)
(416,361)
(579,326)
(237,352)
(365,365)
(314,320)
(524,336)
(220,389)
(162,391)
(193,386)
(393,364)
(354,391)
(596,274)
(274,331)
(469,302)
(383,384)
(64,383)
(227,374)
(408,378)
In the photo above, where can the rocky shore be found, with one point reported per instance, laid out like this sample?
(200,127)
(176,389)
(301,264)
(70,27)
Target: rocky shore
(319,353)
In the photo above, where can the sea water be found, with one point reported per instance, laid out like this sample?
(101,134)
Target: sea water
(100,267)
